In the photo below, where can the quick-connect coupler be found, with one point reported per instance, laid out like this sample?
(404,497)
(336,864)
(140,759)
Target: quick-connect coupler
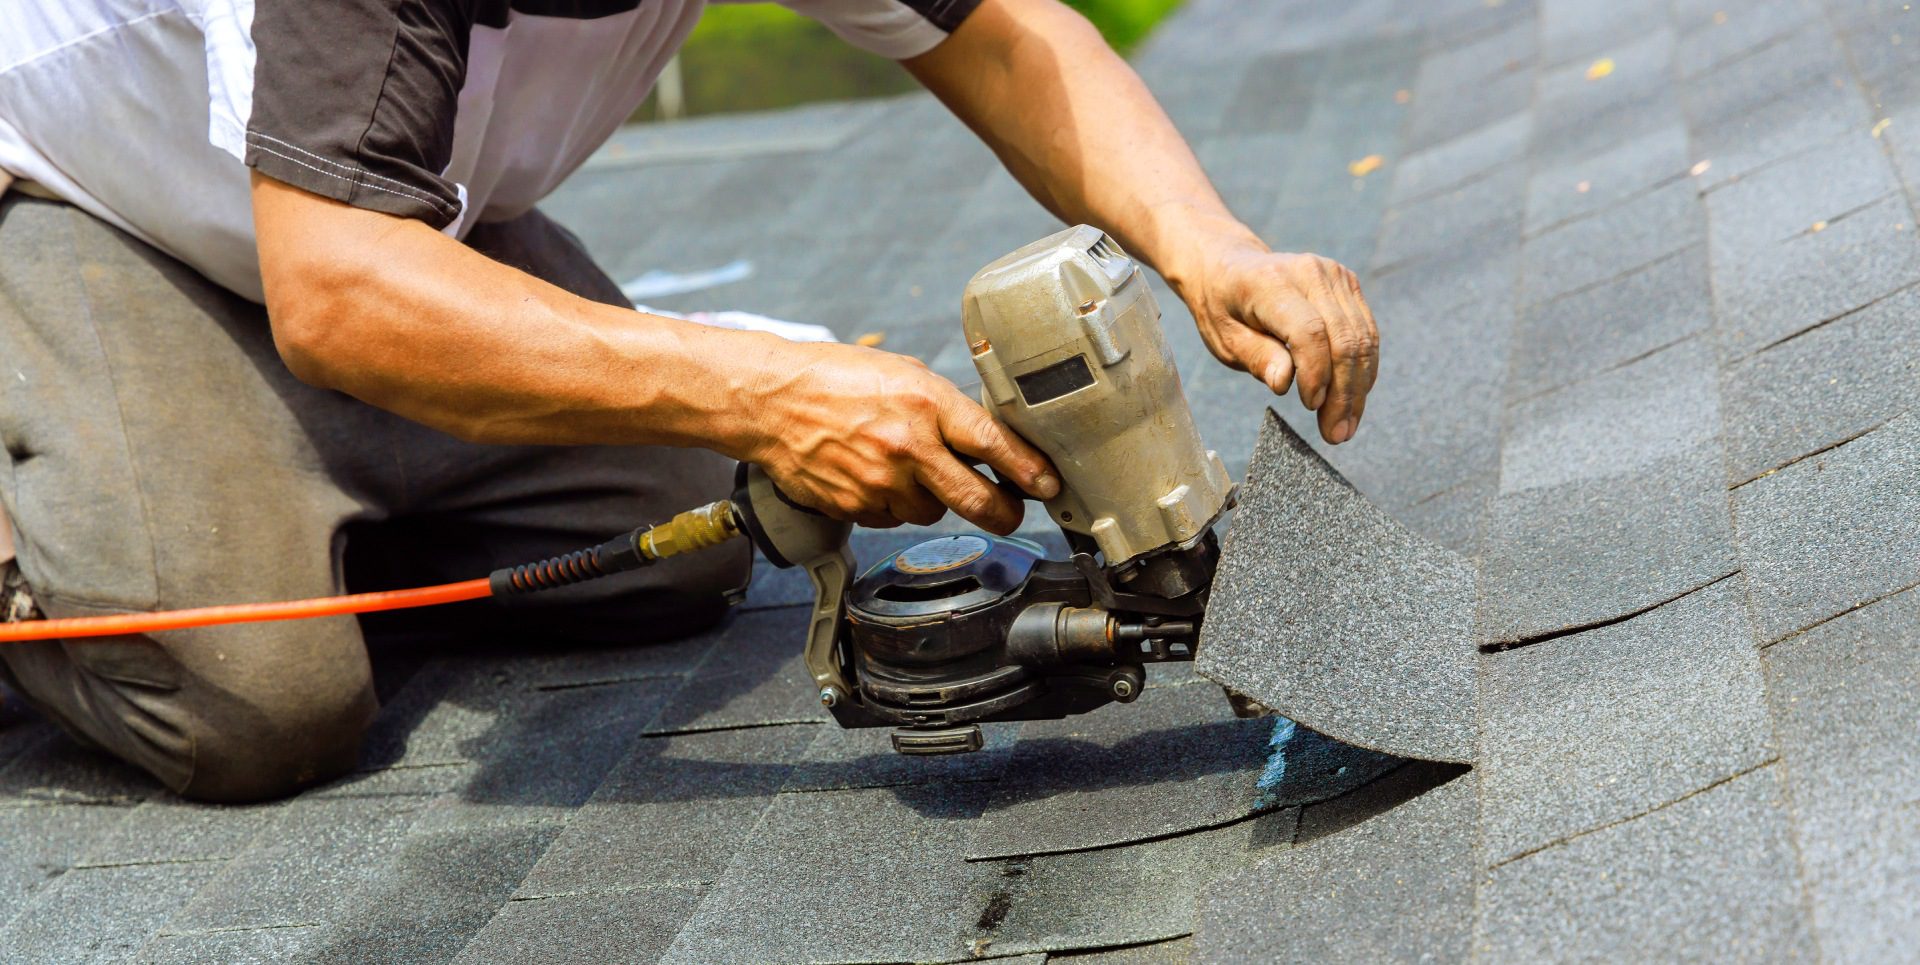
(695,529)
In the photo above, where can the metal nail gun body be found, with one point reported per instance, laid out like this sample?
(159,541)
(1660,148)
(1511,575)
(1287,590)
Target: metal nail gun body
(964,629)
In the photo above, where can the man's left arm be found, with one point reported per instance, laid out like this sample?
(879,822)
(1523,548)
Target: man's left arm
(1073,122)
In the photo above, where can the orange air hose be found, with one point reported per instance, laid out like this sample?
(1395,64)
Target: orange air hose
(695,529)
(213,616)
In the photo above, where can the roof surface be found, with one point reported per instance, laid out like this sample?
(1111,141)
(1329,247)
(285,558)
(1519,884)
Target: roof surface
(1643,452)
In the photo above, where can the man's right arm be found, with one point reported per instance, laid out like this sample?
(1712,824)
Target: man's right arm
(403,317)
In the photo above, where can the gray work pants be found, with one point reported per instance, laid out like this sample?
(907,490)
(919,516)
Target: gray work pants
(158,455)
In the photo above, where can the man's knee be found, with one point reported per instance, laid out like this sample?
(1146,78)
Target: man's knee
(256,753)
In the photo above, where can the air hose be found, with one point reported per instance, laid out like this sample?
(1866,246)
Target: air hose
(693,530)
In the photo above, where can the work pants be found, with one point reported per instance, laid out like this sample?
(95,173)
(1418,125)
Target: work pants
(158,455)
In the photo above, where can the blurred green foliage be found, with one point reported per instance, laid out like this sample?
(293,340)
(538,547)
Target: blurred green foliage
(758,56)
(1124,22)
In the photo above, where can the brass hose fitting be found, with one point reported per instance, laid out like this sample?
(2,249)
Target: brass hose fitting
(695,529)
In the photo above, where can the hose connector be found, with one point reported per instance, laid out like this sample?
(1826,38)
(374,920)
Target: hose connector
(695,529)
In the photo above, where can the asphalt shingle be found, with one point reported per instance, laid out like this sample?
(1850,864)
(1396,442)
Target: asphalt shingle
(1822,388)
(1391,667)
(1583,335)
(1612,499)
(1587,729)
(1268,98)
(57,770)
(1044,903)
(834,876)
(545,755)
(1354,115)
(1734,146)
(1808,239)
(485,707)
(1562,192)
(631,927)
(1176,951)
(1583,111)
(1571,29)
(1480,270)
(1843,700)
(1879,46)
(1801,60)
(1453,518)
(1611,243)
(1466,157)
(340,843)
(440,889)
(1306,767)
(1108,777)
(582,667)
(1834,530)
(42,843)
(1397,888)
(1708,877)
(1245,174)
(1735,32)
(753,677)
(1472,85)
(99,914)
(165,828)
(247,946)
(1551,401)
(1783,201)
(1418,228)
(1455,22)
(720,782)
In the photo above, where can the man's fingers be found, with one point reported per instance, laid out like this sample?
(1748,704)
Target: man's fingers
(1312,306)
(841,504)
(1260,354)
(969,430)
(1353,347)
(970,494)
(1302,326)
(917,506)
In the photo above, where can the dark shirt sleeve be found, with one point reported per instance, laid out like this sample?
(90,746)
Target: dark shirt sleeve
(355,99)
(891,28)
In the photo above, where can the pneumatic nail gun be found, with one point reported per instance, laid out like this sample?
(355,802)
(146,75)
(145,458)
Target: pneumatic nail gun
(959,630)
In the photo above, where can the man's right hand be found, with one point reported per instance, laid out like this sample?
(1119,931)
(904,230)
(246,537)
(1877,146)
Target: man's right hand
(879,439)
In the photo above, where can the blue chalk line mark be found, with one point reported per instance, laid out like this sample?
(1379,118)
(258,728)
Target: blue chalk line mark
(1264,790)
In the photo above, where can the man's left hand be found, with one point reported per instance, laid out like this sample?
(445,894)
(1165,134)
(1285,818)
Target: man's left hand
(1287,318)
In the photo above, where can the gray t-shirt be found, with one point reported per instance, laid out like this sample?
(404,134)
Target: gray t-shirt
(147,113)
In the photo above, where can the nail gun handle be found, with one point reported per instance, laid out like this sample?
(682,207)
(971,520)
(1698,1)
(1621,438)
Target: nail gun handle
(788,533)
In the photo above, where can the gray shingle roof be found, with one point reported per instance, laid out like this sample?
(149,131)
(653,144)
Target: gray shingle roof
(1644,428)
